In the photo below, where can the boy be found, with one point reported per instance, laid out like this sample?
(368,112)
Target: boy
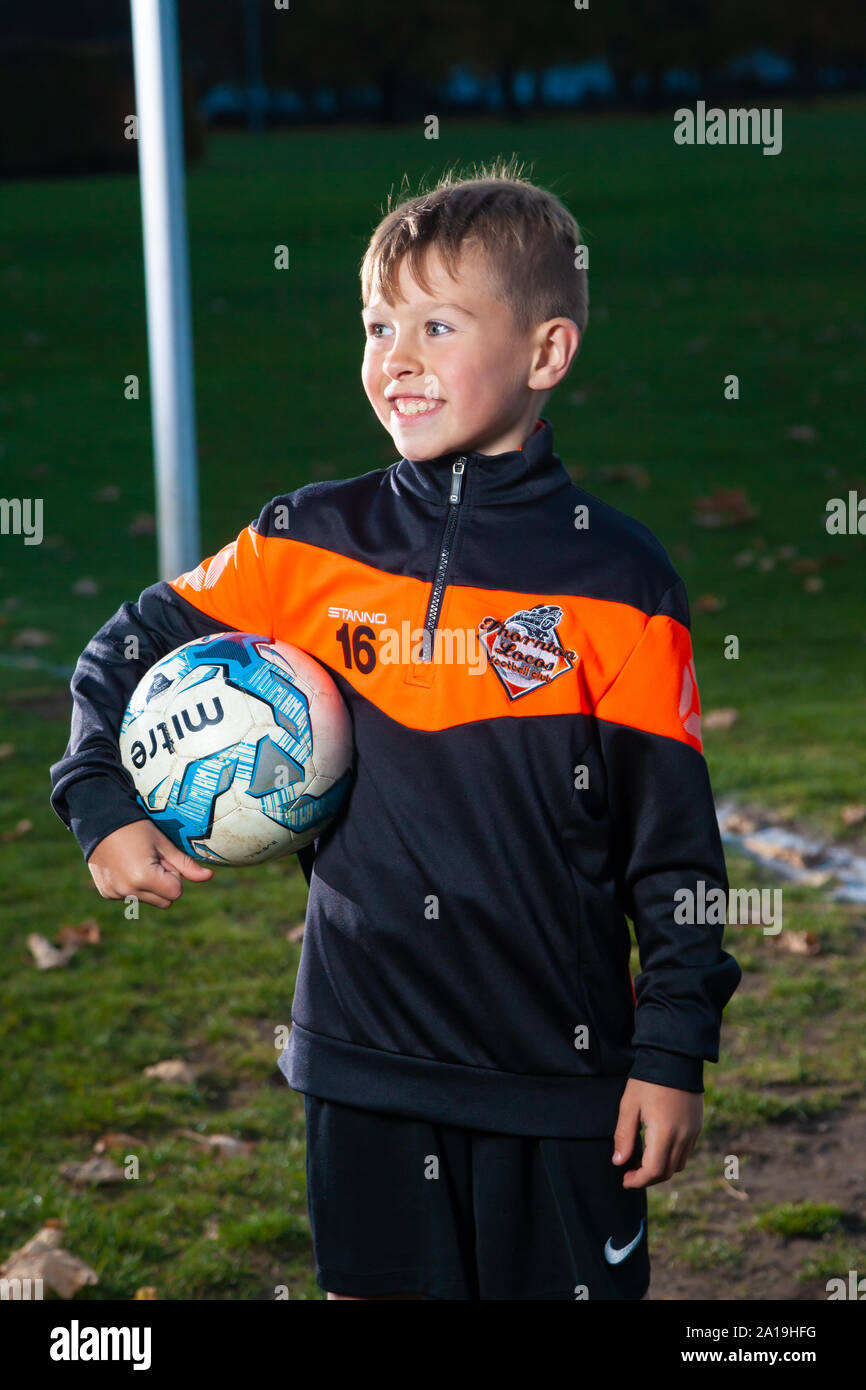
(475,1059)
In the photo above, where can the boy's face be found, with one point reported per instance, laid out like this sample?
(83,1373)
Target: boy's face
(448,371)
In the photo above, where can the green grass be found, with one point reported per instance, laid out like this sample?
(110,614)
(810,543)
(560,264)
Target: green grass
(809,1219)
(702,263)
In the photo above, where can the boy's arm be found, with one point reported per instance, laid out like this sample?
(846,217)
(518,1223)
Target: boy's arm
(668,840)
(92,792)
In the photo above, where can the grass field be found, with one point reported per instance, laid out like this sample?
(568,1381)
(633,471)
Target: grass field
(702,263)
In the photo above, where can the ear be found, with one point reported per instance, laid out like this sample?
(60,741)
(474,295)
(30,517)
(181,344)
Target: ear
(556,344)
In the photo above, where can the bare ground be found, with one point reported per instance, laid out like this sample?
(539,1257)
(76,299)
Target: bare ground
(821,1161)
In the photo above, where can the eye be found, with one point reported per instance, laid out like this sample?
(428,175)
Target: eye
(372,327)
(437,323)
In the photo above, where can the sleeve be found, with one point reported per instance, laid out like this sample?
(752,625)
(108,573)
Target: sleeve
(667,840)
(92,792)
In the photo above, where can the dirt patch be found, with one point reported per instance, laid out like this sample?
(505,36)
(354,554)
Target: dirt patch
(820,1162)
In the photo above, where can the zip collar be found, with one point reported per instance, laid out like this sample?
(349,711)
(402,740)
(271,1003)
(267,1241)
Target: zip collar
(514,476)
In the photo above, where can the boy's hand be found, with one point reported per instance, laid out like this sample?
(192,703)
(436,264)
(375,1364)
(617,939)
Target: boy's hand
(672,1122)
(138,860)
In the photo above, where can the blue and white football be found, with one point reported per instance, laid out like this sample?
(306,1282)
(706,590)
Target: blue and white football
(240,748)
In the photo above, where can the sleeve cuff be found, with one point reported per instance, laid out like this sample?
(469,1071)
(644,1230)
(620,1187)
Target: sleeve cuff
(668,1069)
(97,806)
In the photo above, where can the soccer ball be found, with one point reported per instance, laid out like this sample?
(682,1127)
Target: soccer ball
(240,748)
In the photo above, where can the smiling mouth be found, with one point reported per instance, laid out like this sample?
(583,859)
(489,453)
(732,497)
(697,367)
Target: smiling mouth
(408,407)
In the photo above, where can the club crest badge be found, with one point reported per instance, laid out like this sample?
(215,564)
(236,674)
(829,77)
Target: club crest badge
(524,650)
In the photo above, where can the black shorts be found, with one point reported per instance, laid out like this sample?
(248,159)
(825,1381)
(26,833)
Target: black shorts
(400,1205)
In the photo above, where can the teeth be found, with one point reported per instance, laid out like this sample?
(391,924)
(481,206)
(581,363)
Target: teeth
(413,407)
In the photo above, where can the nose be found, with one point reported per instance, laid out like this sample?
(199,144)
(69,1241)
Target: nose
(396,370)
(402,360)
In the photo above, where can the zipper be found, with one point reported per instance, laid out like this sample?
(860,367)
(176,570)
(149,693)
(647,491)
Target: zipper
(432,616)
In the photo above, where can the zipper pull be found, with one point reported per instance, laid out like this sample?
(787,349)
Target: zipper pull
(457,468)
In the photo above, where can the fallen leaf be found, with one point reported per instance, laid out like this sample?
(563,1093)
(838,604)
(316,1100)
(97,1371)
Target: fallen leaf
(743,559)
(739,823)
(32,637)
(807,434)
(814,584)
(116,1139)
(21,828)
(798,943)
(142,525)
(322,468)
(211,1229)
(85,934)
(853,815)
(146,1292)
(47,956)
(818,879)
(708,603)
(788,854)
(224,1144)
(296,933)
(581,395)
(723,718)
(724,507)
(627,473)
(42,1257)
(732,1191)
(806,564)
(173,1070)
(107,494)
(766,563)
(85,587)
(93,1170)
(6,750)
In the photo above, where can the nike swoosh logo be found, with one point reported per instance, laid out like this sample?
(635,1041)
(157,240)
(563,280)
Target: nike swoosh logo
(615,1257)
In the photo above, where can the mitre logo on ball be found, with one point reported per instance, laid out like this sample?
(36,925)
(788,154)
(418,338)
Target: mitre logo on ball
(240,747)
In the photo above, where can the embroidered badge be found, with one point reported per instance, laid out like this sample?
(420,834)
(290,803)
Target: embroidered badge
(525,650)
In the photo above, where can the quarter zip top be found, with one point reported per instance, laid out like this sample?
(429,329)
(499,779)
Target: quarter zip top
(466,939)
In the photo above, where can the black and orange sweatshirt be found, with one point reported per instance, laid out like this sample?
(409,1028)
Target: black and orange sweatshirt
(526,775)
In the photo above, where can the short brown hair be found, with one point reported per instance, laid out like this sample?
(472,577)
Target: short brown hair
(528,237)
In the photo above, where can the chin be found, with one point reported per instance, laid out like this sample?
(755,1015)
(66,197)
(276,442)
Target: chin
(419,454)
(411,445)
